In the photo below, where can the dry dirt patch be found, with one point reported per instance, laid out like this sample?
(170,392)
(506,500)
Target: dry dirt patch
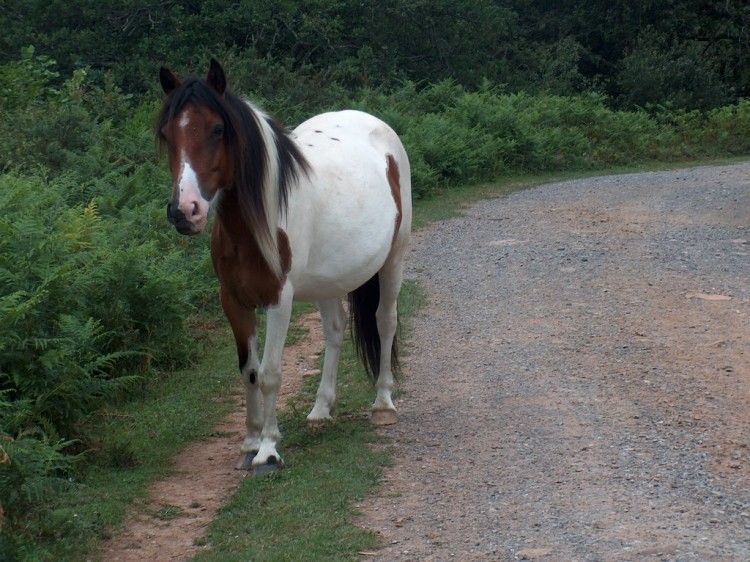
(166,525)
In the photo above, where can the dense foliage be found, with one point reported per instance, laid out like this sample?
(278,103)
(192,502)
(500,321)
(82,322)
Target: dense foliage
(97,292)
(691,53)
(455,137)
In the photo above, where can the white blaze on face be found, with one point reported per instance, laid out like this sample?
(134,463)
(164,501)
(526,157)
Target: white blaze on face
(191,202)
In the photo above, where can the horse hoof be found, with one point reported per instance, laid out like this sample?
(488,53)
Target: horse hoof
(246,460)
(315,423)
(272,465)
(384,417)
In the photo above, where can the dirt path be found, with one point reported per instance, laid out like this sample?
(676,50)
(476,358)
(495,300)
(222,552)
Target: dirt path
(579,385)
(166,526)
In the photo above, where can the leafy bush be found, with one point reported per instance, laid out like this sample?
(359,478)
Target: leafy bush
(454,152)
(725,130)
(663,70)
(30,469)
(454,137)
(95,294)
(54,127)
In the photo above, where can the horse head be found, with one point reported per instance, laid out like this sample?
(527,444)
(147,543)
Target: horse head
(193,125)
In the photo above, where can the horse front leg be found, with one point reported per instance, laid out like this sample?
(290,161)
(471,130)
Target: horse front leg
(269,379)
(243,323)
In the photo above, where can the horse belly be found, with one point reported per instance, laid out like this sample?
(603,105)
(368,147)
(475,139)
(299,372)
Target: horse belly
(342,251)
(335,278)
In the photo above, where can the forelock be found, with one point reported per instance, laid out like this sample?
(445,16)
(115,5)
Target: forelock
(193,91)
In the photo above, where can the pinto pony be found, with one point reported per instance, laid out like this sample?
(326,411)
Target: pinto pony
(311,215)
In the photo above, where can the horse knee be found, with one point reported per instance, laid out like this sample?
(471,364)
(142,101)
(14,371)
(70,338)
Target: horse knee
(269,380)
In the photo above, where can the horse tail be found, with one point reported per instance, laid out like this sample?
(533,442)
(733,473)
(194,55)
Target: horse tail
(363,305)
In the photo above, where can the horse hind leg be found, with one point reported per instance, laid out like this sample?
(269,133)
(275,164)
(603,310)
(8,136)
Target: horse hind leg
(390,278)
(333,317)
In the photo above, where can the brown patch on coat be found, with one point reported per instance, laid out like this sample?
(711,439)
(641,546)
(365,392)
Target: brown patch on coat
(247,281)
(244,275)
(243,323)
(394,180)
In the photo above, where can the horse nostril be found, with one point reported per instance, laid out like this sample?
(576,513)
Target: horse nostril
(195,209)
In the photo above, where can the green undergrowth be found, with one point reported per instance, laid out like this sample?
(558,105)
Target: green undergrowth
(327,470)
(456,137)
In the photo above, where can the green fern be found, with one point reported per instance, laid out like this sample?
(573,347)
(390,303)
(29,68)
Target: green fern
(31,466)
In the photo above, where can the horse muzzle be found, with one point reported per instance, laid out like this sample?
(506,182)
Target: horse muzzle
(182,223)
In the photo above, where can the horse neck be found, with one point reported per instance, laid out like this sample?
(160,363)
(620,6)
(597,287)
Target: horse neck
(261,196)
(233,225)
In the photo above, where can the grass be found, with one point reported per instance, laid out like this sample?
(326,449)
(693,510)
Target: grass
(327,468)
(135,444)
(303,512)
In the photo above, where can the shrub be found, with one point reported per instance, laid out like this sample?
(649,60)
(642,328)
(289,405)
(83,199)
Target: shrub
(95,294)
(467,137)
(30,469)
(456,153)
(725,129)
(661,68)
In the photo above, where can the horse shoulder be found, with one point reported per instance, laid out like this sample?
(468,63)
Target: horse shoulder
(242,271)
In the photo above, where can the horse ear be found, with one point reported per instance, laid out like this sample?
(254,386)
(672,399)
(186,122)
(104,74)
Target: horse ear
(169,80)
(216,78)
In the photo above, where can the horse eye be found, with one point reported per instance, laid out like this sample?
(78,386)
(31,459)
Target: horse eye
(217,132)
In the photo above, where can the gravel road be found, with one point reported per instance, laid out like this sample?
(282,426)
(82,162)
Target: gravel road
(578,386)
